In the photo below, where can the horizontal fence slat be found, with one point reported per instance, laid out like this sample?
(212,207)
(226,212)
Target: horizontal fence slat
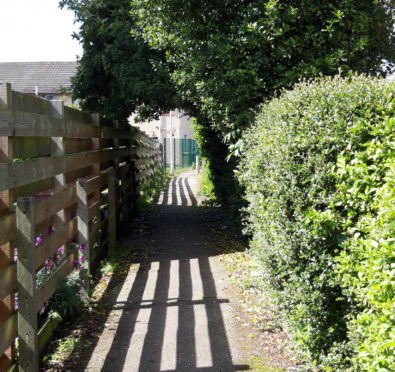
(7,228)
(94,210)
(32,188)
(8,333)
(49,287)
(48,246)
(54,203)
(93,184)
(25,172)
(94,236)
(7,280)
(117,133)
(27,124)
(29,103)
(79,129)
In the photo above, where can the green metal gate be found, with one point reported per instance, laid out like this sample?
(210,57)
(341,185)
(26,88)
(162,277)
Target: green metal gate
(185,151)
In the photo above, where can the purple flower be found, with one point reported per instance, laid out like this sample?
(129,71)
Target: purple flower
(82,258)
(75,262)
(39,239)
(59,253)
(16,304)
(81,291)
(82,247)
(15,254)
(48,263)
(45,304)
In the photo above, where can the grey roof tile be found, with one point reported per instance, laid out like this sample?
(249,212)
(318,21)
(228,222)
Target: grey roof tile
(49,77)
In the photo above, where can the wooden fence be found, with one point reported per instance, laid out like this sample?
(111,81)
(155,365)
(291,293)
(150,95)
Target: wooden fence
(67,178)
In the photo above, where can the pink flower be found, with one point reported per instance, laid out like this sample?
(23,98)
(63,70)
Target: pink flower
(39,239)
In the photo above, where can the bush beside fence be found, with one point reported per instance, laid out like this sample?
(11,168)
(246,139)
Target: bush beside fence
(317,168)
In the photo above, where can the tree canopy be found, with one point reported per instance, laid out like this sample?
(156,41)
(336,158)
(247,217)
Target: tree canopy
(118,73)
(218,59)
(228,56)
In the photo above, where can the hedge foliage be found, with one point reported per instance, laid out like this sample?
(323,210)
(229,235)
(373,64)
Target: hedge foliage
(318,168)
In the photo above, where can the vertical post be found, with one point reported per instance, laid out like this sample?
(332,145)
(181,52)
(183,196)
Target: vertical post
(59,181)
(26,277)
(112,210)
(6,203)
(197,164)
(115,163)
(83,234)
(171,145)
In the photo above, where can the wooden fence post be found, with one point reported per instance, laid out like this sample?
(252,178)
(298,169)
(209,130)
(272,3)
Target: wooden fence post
(84,256)
(26,276)
(6,203)
(112,210)
(59,181)
(115,164)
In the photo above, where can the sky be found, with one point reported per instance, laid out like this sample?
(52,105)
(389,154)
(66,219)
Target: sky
(36,30)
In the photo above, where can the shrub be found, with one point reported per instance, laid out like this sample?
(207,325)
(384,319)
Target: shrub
(366,266)
(66,300)
(287,168)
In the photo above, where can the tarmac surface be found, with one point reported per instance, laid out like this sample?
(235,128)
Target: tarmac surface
(174,310)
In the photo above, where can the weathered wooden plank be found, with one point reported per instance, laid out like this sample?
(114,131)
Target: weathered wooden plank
(94,236)
(46,331)
(27,124)
(93,184)
(111,200)
(25,172)
(26,279)
(60,237)
(116,133)
(7,281)
(49,287)
(7,228)
(80,129)
(73,175)
(94,210)
(28,103)
(71,114)
(8,333)
(77,144)
(32,188)
(61,200)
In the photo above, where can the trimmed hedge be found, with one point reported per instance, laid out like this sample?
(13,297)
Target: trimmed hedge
(305,202)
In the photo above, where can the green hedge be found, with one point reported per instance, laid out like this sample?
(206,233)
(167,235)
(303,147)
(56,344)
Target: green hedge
(305,202)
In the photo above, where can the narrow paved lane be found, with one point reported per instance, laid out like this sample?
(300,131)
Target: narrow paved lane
(172,312)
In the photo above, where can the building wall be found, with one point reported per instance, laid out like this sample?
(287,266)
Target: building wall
(181,126)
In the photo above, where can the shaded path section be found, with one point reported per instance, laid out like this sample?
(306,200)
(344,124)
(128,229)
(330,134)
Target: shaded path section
(172,313)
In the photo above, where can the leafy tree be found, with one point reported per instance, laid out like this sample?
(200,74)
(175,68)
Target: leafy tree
(228,56)
(118,72)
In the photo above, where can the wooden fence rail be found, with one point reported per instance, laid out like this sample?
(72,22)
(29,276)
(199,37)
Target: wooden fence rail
(67,179)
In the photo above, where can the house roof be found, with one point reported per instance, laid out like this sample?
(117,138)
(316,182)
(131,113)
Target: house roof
(49,77)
